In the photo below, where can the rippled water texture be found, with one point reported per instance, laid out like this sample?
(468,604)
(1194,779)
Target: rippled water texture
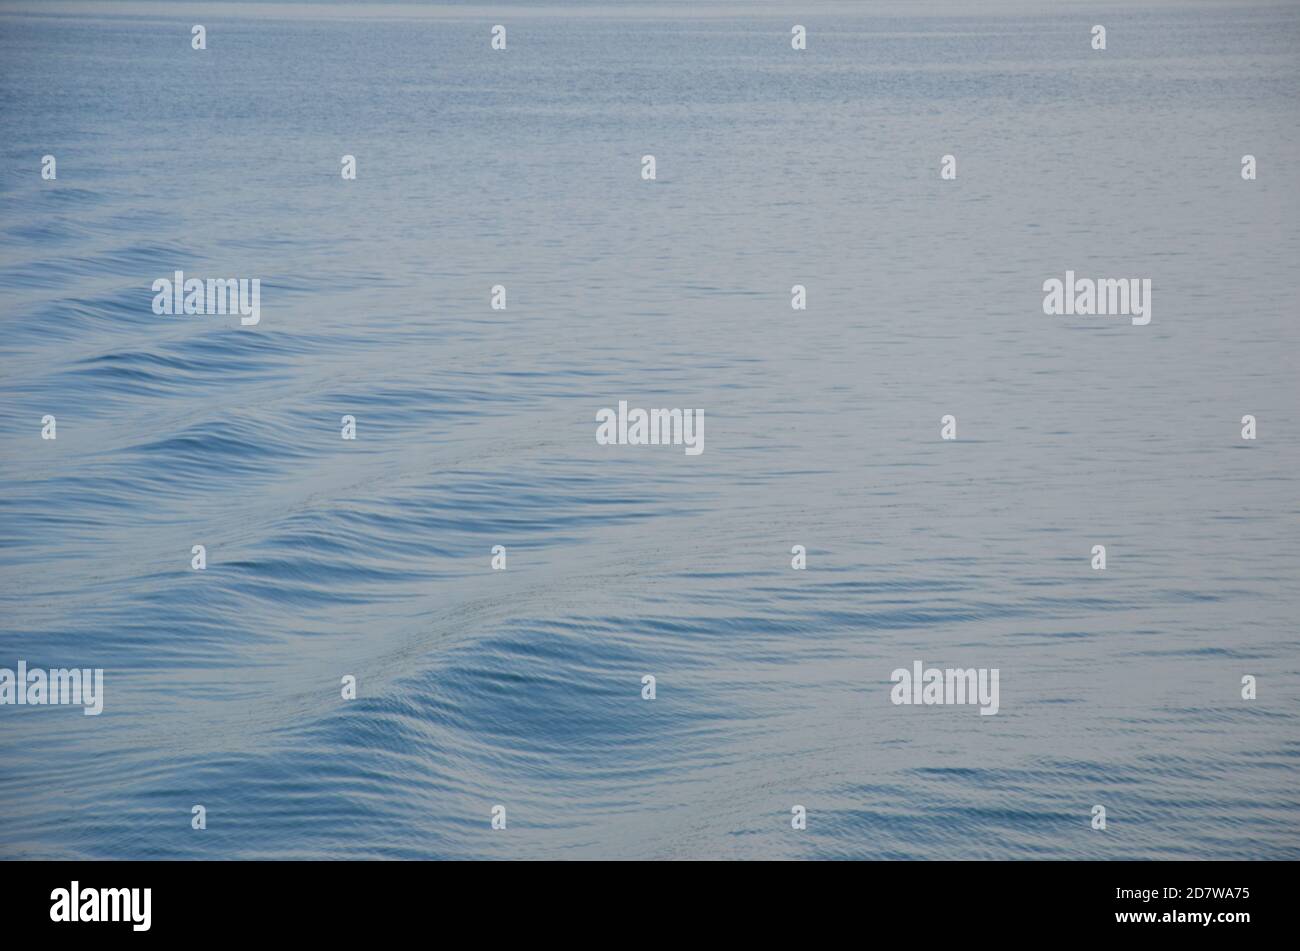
(476,428)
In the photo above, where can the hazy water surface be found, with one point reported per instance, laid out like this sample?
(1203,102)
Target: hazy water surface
(476,428)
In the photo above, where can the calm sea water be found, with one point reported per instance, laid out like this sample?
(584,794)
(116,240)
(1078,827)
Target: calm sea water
(476,428)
